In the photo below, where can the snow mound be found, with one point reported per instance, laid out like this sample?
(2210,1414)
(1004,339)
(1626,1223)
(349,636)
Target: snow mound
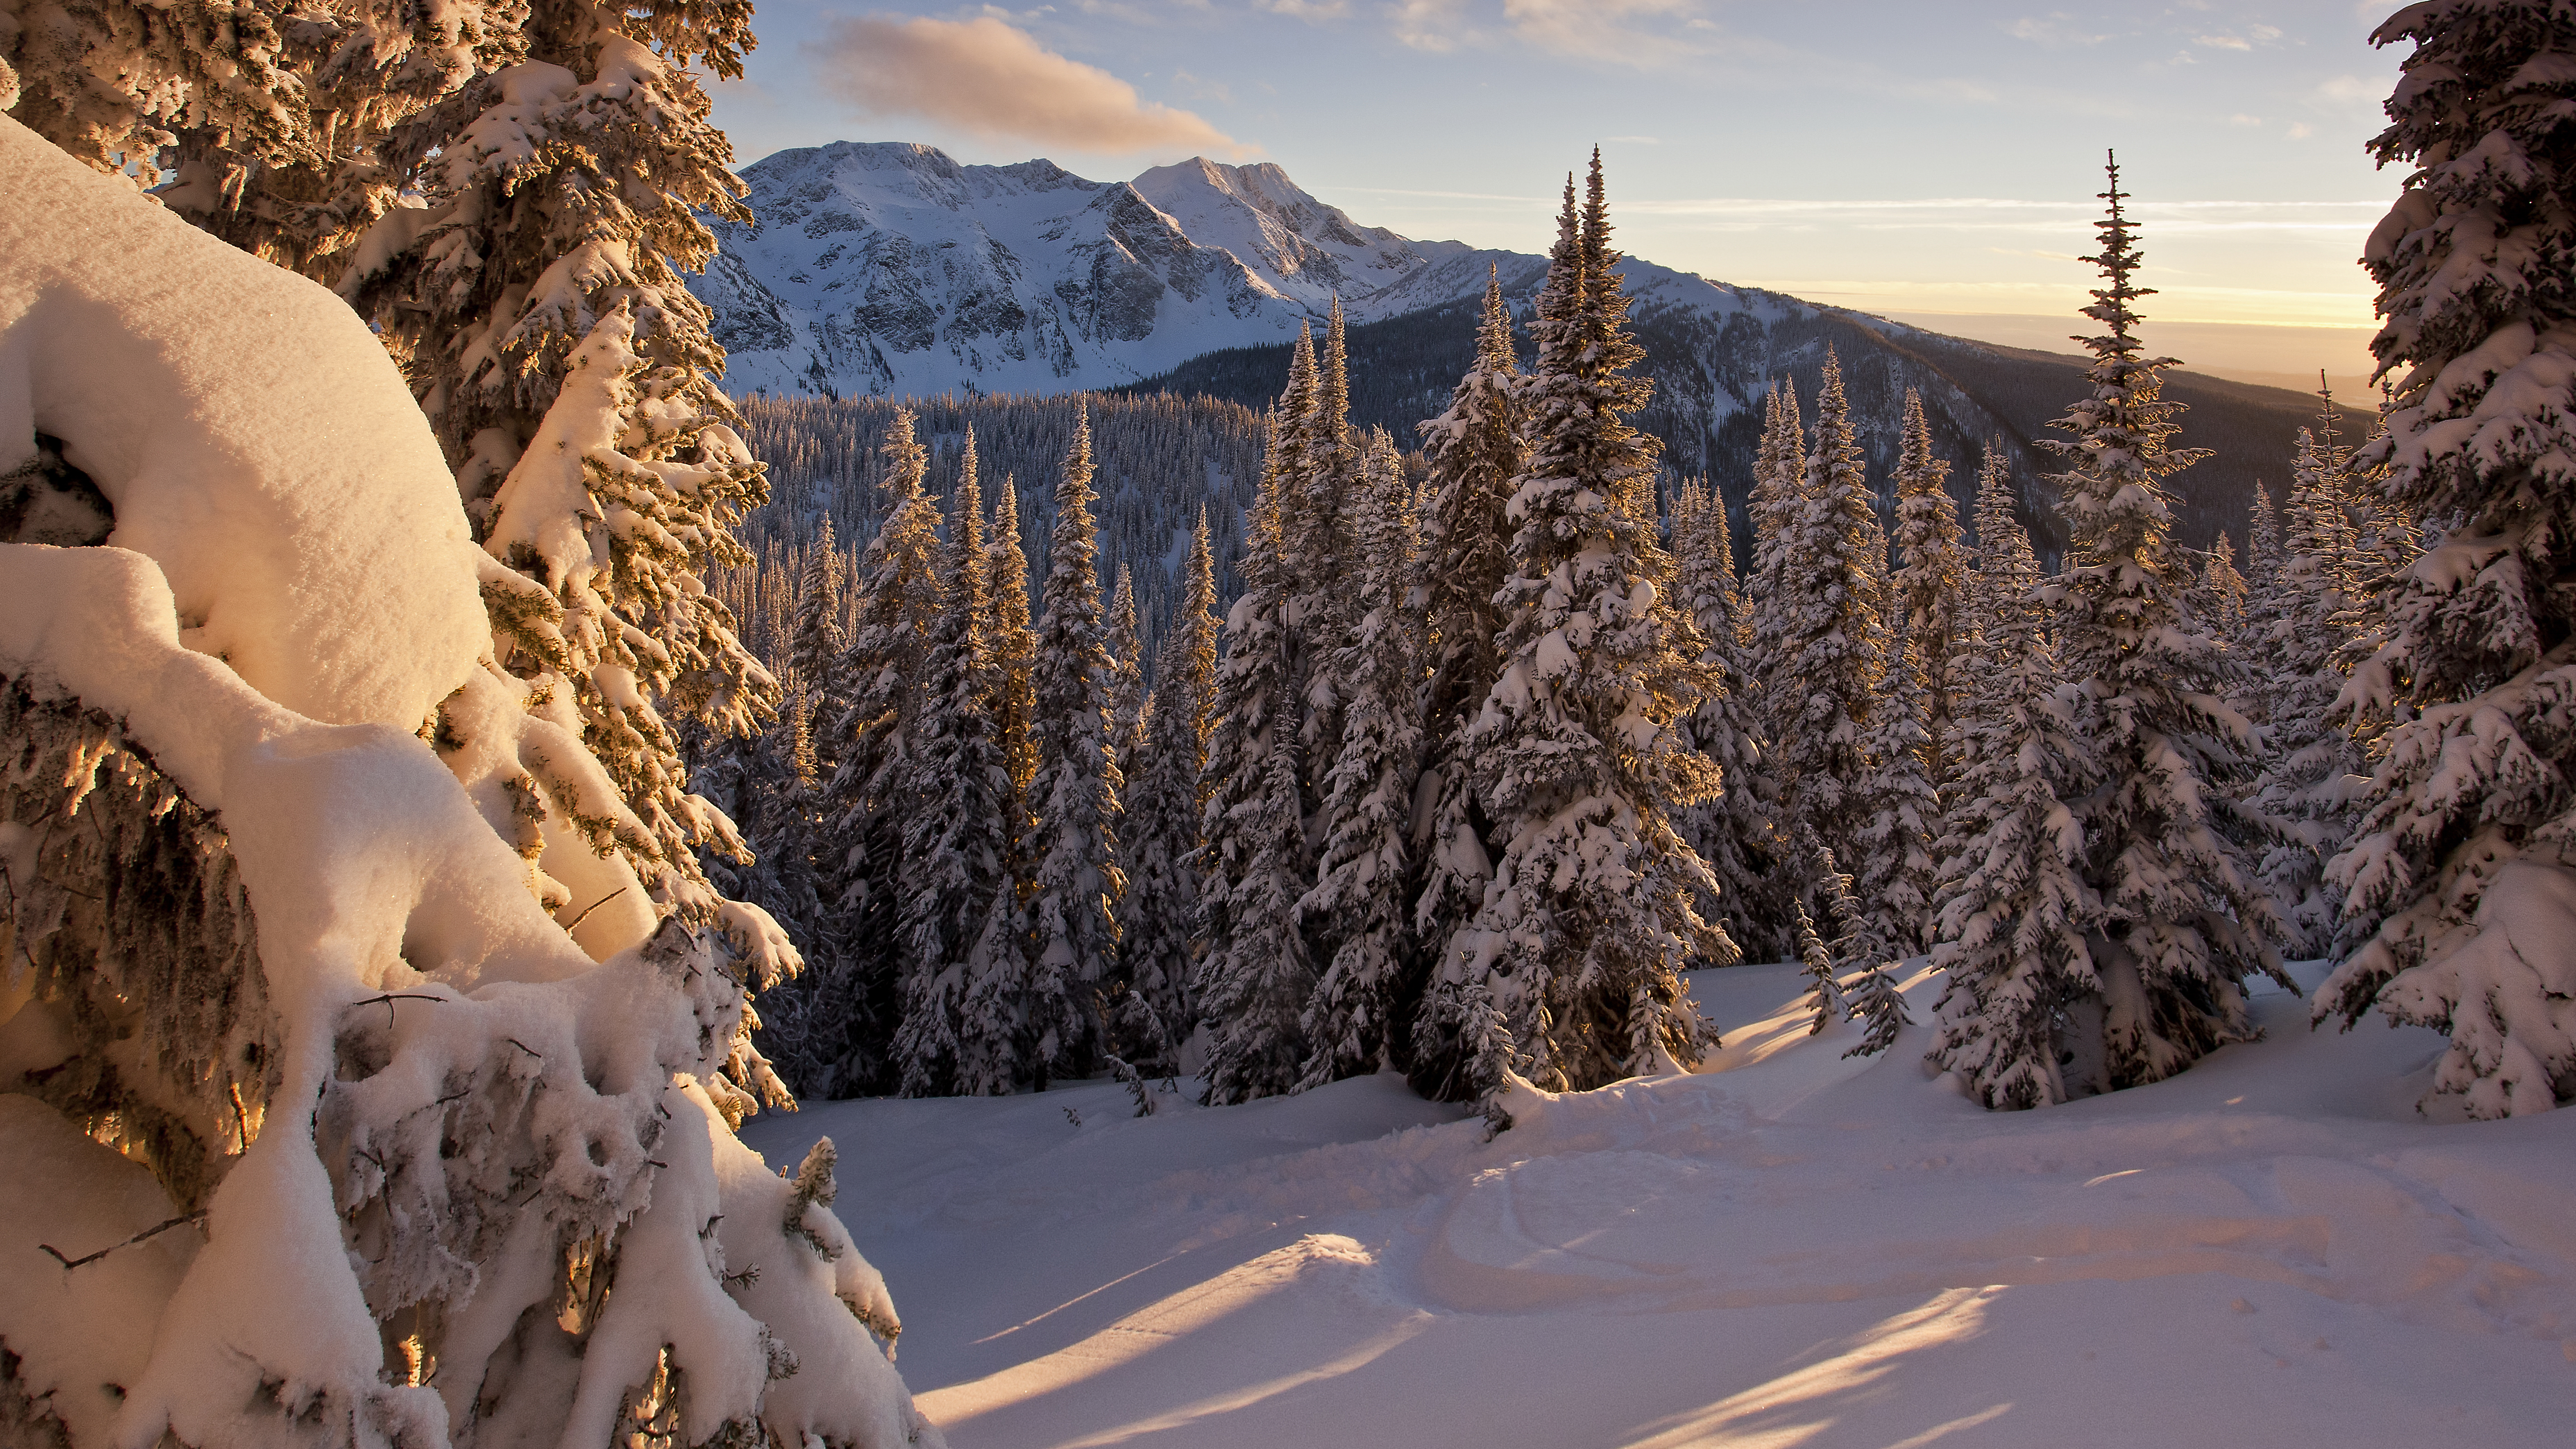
(405,1136)
(311,534)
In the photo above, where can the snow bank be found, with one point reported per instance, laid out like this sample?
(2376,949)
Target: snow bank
(437,1135)
(255,439)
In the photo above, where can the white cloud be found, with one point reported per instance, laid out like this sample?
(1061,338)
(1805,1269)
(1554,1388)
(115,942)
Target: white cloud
(993,80)
(1310,10)
(1600,29)
(2221,42)
(2055,29)
(1641,33)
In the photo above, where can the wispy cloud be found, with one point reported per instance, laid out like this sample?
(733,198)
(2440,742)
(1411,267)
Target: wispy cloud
(992,79)
(2055,30)
(2004,214)
(1640,33)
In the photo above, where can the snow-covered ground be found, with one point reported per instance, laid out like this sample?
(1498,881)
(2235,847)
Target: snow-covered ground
(1788,1249)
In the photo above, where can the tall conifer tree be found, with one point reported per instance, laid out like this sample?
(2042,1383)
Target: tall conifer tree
(1078,881)
(956,859)
(1256,977)
(1368,802)
(1734,832)
(2010,907)
(1164,827)
(1592,909)
(2174,926)
(1827,578)
(1474,450)
(2461,872)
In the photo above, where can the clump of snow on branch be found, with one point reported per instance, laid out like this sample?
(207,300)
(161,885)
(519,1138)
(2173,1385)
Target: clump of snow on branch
(426,1172)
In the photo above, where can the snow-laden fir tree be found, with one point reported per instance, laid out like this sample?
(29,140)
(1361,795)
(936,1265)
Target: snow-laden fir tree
(2175,924)
(1895,844)
(2461,871)
(1871,998)
(1474,449)
(1826,645)
(1779,466)
(2260,621)
(1365,860)
(1256,976)
(2220,601)
(1734,831)
(268,126)
(1825,1004)
(1592,911)
(815,641)
(1077,880)
(880,780)
(2308,789)
(1929,575)
(534,300)
(957,910)
(1879,1007)
(1013,642)
(1162,834)
(1324,549)
(2009,930)
(1126,645)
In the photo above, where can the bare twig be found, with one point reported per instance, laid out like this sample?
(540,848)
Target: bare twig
(70,1263)
(575,923)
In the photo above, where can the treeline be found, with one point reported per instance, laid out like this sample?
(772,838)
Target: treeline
(1480,759)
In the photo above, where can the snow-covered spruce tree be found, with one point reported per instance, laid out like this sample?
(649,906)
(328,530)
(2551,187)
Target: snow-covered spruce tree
(1012,641)
(1779,466)
(1734,831)
(1879,1007)
(1895,864)
(957,909)
(1077,881)
(1256,977)
(2221,598)
(288,959)
(1327,569)
(1928,576)
(2306,794)
(2259,623)
(1125,643)
(1367,819)
(1825,1004)
(1592,910)
(535,303)
(1474,449)
(880,781)
(2175,925)
(2461,870)
(1871,998)
(2009,932)
(1827,575)
(272,119)
(1163,831)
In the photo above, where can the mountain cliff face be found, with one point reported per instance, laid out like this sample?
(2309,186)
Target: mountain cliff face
(889,270)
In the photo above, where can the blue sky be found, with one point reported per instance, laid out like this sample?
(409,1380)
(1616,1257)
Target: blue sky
(1904,158)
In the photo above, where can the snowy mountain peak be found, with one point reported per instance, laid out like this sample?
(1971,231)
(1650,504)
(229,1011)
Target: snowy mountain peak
(890,268)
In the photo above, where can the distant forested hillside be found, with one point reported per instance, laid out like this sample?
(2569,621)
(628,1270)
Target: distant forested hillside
(1709,378)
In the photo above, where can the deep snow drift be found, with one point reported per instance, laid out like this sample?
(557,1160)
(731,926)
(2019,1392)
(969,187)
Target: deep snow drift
(1787,1249)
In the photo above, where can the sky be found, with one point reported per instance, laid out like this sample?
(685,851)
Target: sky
(1936,162)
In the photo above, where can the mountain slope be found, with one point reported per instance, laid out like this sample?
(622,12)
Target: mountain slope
(890,270)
